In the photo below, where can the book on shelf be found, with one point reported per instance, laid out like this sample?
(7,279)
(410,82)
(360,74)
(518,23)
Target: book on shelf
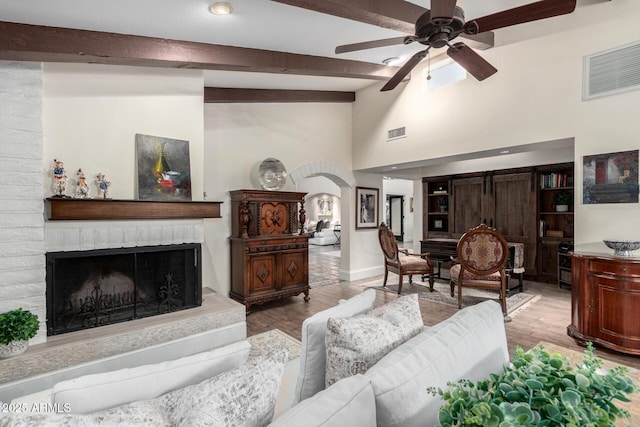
(556,180)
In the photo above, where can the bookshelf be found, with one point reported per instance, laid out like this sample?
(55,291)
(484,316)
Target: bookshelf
(555,224)
(437,203)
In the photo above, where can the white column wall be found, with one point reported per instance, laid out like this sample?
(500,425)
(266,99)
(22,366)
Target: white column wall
(22,249)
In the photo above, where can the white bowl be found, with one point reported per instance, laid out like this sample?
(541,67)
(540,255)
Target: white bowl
(623,247)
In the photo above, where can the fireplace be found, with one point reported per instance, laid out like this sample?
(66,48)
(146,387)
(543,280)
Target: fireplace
(86,289)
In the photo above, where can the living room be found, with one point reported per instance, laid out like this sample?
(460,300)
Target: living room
(88,115)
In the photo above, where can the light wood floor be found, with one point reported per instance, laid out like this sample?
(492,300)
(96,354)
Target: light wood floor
(544,320)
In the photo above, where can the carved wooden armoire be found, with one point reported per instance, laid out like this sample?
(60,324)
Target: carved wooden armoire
(269,250)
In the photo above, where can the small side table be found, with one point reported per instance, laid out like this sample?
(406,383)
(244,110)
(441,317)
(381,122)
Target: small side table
(337,231)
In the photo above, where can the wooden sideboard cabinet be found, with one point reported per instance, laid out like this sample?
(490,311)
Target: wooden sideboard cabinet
(605,301)
(269,251)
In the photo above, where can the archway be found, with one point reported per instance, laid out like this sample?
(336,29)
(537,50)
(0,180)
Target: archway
(343,179)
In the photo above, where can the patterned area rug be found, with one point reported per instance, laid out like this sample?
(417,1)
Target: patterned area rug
(442,294)
(275,338)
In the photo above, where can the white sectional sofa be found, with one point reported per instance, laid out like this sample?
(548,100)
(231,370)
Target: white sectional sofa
(227,387)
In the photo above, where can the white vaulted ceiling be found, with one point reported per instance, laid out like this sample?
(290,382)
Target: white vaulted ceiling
(260,24)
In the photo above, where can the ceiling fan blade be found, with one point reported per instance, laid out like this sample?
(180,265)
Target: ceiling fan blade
(519,15)
(442,11)
(404,70)
(471,61)
(369,45)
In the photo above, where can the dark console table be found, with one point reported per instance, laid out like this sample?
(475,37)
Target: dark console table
(443,250)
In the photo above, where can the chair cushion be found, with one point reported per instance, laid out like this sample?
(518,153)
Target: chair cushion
(313,353)
(413,262)
(355,344)
(455,271)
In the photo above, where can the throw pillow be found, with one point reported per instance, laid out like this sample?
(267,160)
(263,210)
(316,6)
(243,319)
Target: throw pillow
(242,397)
(470,344)
(355,344)
(138,414)
(313,352)
(245,396)
(97,392)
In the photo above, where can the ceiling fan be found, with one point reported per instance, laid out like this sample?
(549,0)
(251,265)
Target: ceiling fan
(438,27)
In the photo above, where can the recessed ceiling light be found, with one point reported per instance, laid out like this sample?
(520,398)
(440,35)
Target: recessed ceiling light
(221,8)
(394,167)
(394,60)
(505,152)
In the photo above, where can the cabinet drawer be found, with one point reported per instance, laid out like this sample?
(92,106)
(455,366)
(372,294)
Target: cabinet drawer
(614,268)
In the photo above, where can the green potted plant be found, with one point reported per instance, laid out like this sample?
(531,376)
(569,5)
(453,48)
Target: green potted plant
(16,328)
(442,203)
(539,389)
(562,199)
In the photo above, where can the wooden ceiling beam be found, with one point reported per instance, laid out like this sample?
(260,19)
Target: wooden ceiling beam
(227,95)
(396,15)
(24,42)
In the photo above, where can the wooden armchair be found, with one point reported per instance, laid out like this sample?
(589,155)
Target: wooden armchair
(482,257)
(408,264)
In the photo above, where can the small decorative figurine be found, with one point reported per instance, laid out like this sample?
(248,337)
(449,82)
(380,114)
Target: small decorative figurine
(103,186)
(59,178)
(82,188)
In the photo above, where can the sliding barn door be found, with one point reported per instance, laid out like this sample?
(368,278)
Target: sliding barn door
(468,204)
(511,204)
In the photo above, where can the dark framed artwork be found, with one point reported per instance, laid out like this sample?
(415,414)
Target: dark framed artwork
(164,168)
(610,178)
(367,207)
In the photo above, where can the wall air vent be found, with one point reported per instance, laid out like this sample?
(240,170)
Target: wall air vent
(396,133)
(612,71)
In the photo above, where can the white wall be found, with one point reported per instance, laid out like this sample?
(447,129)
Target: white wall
(535,96)
(240,136)
(92,113)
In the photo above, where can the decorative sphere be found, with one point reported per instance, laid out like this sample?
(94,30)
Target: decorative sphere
(272,174)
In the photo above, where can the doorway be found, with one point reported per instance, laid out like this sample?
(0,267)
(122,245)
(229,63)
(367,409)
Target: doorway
(395,216)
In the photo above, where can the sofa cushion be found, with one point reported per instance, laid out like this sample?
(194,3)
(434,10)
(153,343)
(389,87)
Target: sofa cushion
(96,392)
(313,352)
(470,344)
(355,344)
(349,402)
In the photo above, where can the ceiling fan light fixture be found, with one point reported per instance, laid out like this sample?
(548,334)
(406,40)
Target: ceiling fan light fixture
(221,8)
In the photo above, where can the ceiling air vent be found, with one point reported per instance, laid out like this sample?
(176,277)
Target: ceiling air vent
(612,71)
(396,133)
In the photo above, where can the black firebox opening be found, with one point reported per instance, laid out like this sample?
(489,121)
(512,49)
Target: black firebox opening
(93,288)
